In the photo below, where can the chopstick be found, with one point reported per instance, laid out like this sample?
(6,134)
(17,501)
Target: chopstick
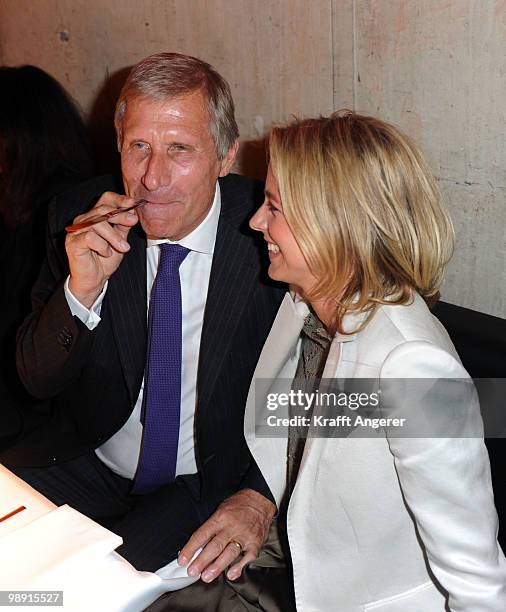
(99,218)
(12,513)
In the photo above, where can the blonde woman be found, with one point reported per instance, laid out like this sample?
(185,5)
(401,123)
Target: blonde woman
(354,222)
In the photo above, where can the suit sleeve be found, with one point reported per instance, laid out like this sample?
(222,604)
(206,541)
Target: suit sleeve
(253,479)
(52,345)
(445,475)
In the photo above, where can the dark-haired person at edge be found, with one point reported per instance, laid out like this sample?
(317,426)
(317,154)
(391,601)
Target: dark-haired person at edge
(44,150)
(145,334)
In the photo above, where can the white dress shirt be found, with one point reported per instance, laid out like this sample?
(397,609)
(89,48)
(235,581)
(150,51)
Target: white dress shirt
(121,452)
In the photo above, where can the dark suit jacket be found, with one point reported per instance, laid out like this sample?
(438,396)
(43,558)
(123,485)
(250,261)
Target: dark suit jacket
(93,377)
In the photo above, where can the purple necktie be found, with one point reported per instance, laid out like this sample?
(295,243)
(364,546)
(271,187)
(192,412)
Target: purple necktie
(162,385)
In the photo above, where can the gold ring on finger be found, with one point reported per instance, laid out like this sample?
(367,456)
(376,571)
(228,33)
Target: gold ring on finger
(238,544)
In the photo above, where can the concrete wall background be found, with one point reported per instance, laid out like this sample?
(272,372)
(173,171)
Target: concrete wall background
(436,68)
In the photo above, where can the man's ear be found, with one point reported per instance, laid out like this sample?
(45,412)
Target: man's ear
(228,161)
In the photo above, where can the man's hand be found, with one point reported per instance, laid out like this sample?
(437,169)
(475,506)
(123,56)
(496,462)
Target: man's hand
(243,518)
(95,252)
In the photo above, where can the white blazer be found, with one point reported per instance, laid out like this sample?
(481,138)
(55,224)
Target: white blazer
(386,524)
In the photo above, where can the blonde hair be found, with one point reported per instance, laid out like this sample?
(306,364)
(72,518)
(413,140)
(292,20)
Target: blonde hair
(365,210)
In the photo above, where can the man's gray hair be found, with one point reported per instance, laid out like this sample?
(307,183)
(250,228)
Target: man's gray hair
(164,76)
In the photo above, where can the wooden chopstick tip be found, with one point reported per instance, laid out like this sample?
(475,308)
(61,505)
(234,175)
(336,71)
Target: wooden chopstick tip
(12,513)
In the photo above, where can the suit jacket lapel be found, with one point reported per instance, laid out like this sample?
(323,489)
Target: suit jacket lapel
(233,274)
(126,302)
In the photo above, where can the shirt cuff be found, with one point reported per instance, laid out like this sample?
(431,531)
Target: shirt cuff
(91,317)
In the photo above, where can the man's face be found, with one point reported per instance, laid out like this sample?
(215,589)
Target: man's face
(168,157)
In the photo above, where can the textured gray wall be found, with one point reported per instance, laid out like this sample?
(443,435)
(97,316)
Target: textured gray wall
(436,68)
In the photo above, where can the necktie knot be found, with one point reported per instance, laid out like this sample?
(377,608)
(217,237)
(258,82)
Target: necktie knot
(171,256)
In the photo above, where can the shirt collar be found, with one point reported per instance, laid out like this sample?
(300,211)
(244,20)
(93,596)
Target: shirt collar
(203,237)
(299,305)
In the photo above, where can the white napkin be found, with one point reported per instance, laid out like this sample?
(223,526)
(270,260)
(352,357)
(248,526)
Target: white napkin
(63,537)
(176,577)
(66,551)
(60,549)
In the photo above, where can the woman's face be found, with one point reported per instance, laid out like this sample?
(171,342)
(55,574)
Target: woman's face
(287,261)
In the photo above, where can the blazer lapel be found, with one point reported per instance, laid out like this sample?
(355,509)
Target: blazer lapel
(233,275)
(273,374)
(127,304)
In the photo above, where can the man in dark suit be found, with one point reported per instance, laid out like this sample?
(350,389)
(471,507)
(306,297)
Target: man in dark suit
(116,385)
